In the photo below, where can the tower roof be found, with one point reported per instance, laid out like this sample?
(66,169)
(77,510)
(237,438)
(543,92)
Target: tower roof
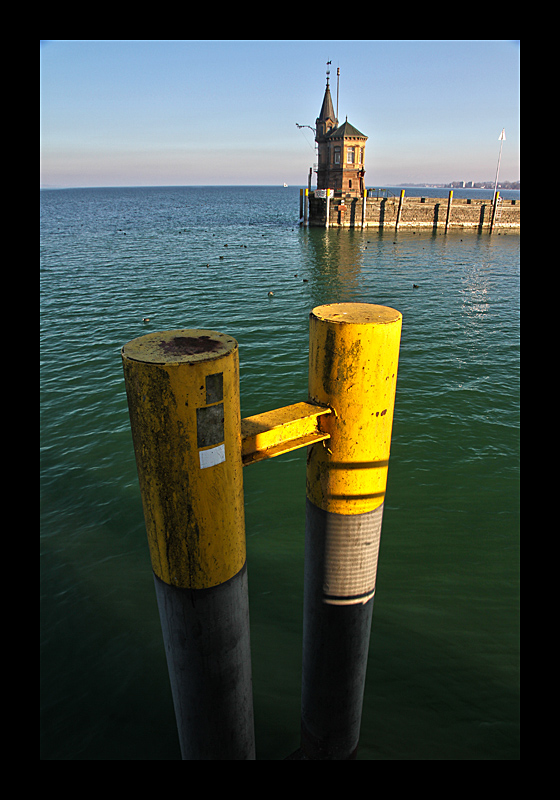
(346,129)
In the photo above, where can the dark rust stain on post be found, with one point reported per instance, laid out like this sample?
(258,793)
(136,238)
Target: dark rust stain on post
(190,345)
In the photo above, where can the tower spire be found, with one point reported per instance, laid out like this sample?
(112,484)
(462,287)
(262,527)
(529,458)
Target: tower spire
(326,121)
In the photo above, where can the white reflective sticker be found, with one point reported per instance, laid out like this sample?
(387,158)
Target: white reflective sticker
(351,554)
(209,458)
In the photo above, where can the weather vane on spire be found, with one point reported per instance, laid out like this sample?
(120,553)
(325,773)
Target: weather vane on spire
(328,71)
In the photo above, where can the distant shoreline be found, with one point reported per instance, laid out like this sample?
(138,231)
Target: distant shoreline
(480,185)
(503,185)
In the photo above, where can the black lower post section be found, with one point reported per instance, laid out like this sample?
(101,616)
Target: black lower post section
(336,637)
(207,645)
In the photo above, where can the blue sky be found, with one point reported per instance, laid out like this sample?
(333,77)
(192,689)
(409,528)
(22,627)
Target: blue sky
(202,112)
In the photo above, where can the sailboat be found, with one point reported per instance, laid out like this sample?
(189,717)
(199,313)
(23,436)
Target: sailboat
(285,186)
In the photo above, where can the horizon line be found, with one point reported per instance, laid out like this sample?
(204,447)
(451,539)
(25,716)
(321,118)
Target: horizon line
(426,185)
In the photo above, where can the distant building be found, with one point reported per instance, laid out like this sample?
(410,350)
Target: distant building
(341,152)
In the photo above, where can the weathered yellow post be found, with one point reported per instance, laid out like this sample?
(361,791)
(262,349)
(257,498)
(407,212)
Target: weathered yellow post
(449,204)
(353,360)
(183,396)
(191,445)
(495,203)
(399,210)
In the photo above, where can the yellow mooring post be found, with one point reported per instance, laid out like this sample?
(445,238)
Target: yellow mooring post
(353,360)
(399,210)
(183,397)
(449,204)
(494,208)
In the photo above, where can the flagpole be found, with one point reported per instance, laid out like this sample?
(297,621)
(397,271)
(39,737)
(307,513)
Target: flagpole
(337,83)
(502,139)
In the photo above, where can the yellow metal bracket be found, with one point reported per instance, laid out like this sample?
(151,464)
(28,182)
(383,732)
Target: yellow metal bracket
(275,432)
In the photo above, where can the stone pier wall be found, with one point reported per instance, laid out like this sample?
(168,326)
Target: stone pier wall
(416,212)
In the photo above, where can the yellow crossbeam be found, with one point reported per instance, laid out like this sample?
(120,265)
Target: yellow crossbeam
(280,431)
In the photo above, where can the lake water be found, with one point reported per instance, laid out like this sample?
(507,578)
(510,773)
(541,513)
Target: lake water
(443,672)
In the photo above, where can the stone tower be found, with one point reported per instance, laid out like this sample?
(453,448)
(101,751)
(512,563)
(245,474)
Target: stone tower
(341,151)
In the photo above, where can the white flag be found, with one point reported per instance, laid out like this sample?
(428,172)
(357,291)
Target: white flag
(502,137)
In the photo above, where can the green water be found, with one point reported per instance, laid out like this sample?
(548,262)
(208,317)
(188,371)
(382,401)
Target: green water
(443,672)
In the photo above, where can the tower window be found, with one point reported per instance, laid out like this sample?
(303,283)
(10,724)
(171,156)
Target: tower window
(350,155)
(337,155)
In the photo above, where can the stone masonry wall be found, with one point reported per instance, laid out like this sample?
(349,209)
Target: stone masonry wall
(416,212)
